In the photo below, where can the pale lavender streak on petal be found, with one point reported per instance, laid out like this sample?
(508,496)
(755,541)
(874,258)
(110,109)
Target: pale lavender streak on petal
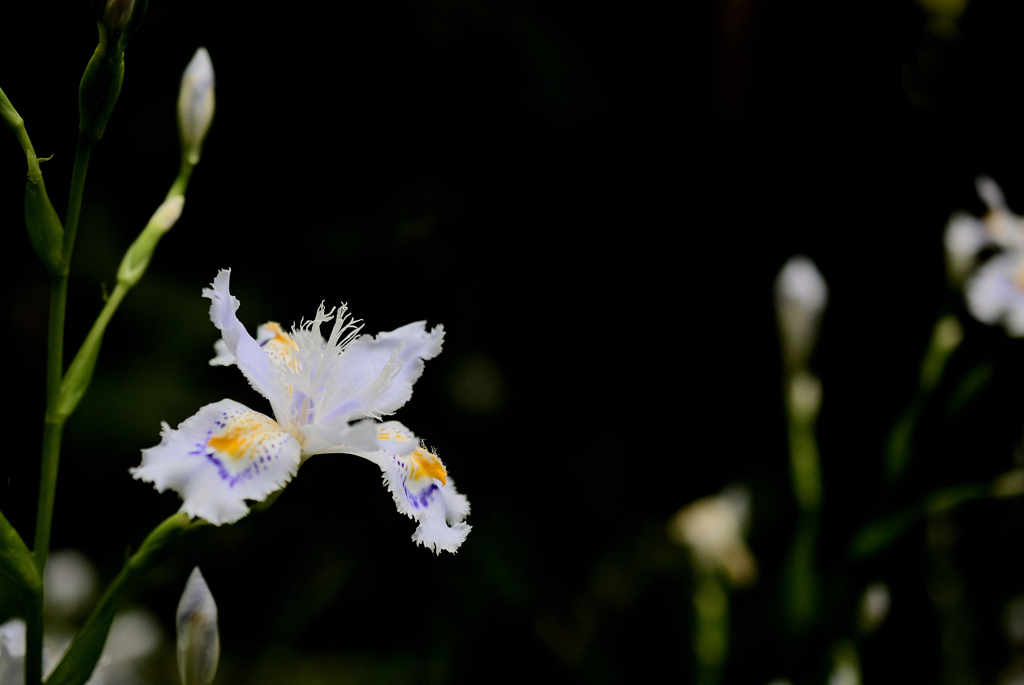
(366,356)
(249,356)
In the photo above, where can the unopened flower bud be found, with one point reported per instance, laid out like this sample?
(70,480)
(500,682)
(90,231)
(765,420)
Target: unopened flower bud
(713,528)
(964,239)
(195,105)
(874,607)
(800,299)
(198,637)
(116,15)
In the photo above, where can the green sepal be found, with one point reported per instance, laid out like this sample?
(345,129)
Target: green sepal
(44,228)
(138,14)
(78,663)
(15,559)
(79,374)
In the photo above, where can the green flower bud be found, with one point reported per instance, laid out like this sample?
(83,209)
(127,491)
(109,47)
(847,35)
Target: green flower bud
(101,83)
(116,15)
(44,228)
(195,105)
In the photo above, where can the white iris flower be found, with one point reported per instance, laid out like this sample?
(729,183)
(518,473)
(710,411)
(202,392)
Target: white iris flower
(995,291)
(327,395)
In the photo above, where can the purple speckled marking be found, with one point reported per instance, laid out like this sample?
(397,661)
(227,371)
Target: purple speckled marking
(204,450)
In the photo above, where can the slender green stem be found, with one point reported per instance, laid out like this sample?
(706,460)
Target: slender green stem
(55,343)
(803,400)
(53,425)
(711,626)
(75,197)
(181,182)
(52,433)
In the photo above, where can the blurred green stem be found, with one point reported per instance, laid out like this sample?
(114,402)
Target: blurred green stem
(800,581)
(803,401)
(947,334)
(82,155)
(711,626)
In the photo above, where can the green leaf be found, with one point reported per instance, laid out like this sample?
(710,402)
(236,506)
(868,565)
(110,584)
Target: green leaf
(15,559)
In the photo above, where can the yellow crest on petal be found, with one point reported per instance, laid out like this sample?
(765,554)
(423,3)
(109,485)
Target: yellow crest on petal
(247,435)
(426,465)
(281,348)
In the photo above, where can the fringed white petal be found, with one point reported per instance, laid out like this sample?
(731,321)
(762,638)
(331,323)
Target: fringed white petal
(376,374)
(219,458)
(224,357)
(422,490)
(442,526)
(257,366)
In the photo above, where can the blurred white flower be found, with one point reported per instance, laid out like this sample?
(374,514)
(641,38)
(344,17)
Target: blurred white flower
(70,583)
(327,397)
(713,528)
(196,103)
(995,293)
(135,634)
(800,298)
(198,636)
(12,651)
(966,235)
(845,673)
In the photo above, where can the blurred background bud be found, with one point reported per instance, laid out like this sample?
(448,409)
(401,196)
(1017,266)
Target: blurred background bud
(195,105)
(713,528)
(71,583)
(198,637)
(845,665)
(800,298)
(964,238)
(874,607)
(116,15)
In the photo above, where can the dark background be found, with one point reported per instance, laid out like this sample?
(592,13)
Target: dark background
(593,198)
